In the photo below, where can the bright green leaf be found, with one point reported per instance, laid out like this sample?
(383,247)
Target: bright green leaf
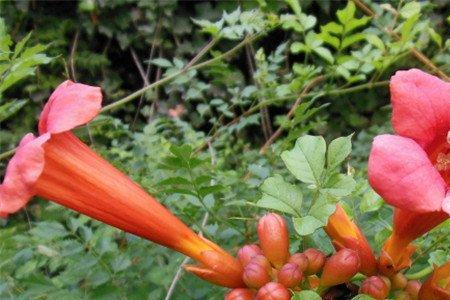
(306,160)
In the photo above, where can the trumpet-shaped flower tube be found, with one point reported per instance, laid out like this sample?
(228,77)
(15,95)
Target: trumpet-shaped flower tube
(346,234)
(411,170)
(58,166)
(437,286)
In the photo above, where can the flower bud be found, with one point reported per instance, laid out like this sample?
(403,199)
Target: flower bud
(273,291)
(340,267)
(399,281)
(412,288)
(290,275)
(262,261)
(375,287)
(240,294)
(246,253)
(255,275)
(316,260)
(300,260)
(274,239)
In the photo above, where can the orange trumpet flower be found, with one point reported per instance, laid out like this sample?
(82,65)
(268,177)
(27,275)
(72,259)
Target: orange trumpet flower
(408,226)
(346,234)
(437,286)
(59,167)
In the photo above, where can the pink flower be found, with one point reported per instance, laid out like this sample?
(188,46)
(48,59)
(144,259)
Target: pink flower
(411,170)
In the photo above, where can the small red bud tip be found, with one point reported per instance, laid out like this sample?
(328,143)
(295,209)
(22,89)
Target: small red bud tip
(255,275)
(316,260)
(290,275)
(300,260)
(413,288)
(274,239)
(240,294)
(340,267)
(375,287)
(273,291)
(399,281)
(246,253)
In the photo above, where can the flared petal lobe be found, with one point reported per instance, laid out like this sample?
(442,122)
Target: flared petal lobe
(401,173)
(420,106)
(437,286)
(70,105)
(23,170)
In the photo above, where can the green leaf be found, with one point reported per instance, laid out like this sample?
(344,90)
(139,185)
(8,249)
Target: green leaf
(323,208)
(338,150)
(306,295)
(339,185)
(295,6)
(306,225)
(183,152)
(324,53)
(370,202)
(346,14)
(436,37)
(332,27)
(410,9)
(280,195)
(352,39)
(161,62)
(355,23)
(175,180)
(10,108)
(376,41)
(306,161)
(297,47)
(210,190)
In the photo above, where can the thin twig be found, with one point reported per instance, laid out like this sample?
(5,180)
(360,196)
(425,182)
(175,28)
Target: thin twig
(139,66)
(291,112)
(72,55)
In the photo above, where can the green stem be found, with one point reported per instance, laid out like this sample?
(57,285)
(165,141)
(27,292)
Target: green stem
(418,275)
(7,154)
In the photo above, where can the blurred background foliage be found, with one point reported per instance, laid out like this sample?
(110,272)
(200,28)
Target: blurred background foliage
(209,142)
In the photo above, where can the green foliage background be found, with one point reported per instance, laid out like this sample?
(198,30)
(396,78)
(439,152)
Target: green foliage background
(206,165)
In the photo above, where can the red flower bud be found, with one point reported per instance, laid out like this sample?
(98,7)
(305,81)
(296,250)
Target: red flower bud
(240,294)
(262,261)
(290,275)
(340,267)
(398,281)
(273,291)
(375,287)
(316,260)
(413,288)
(274,239)
(246,253)
(255,275)
(300,260)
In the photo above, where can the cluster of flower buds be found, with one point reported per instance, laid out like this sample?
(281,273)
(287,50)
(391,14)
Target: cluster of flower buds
(270,272)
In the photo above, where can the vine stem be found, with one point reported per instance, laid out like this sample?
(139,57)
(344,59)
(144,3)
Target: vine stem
(189,67)
(418,275)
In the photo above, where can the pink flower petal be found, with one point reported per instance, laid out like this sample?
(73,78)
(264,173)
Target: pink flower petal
(23,170)
(421,106)
(70,105)
(401,173)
